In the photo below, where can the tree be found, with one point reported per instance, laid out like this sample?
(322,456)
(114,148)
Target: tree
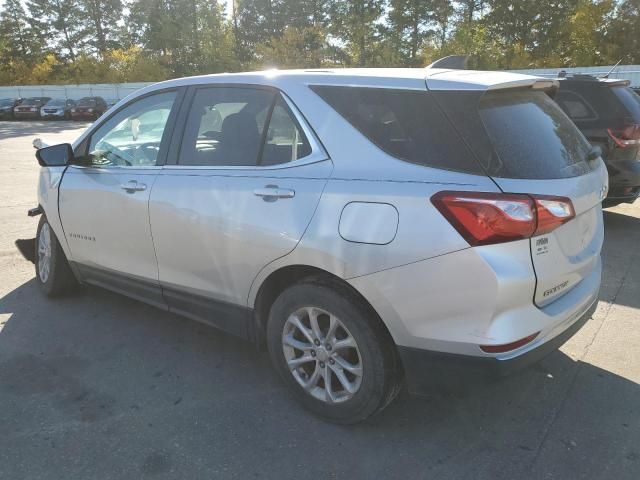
(100,18)
(409,22)
(59,21)
(295,48)
(623,36)
(355,22)
(442,12)
(189,36)
(17,37)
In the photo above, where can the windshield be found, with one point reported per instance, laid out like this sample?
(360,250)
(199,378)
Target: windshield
(87,102)
(532,136)
(57,102)
(31,101)
(630,100)
(5,102)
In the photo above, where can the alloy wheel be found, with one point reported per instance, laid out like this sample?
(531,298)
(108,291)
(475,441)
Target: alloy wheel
(322,355)
(44,253)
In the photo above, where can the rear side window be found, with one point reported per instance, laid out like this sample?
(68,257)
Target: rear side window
(575,106)
(406,124)
(532,137)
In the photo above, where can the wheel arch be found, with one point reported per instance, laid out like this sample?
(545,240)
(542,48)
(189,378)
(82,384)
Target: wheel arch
(282,278)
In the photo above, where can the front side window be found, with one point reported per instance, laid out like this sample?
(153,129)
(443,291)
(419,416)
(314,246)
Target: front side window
(132,137)
(230,126)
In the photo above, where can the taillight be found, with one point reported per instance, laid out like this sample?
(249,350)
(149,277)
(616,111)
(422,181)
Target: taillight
(625,136)
(552,212)
(489,218)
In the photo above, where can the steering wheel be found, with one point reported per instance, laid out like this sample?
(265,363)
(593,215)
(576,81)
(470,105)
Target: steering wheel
(147,152)
(114,154)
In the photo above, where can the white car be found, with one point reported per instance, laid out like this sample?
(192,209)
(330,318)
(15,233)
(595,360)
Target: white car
(368,226)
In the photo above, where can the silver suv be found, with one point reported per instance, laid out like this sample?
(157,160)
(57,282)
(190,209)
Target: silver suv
(367,226)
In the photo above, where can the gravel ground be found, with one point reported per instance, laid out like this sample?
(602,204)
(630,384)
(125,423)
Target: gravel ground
(96,386)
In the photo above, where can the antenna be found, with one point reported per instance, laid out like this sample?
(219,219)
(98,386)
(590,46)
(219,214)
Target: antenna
(613,68)
(455,62)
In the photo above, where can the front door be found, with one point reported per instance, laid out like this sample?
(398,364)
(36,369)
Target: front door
(248,178)
(104,201)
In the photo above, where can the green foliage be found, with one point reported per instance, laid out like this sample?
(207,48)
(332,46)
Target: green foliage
(297,47)
(87,41)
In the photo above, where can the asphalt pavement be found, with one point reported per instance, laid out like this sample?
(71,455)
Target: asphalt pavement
(97,386)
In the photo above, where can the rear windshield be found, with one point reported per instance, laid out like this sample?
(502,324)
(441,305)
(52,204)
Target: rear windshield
(631,100)
(532,137)
(406,124)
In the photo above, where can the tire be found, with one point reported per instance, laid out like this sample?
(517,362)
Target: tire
(374,352)
(53,274)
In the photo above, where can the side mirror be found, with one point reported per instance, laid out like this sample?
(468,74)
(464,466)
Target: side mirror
(595,153)
(55,156)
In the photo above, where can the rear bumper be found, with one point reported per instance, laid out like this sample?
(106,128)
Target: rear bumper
(624,176)
(428,371)
(619,195)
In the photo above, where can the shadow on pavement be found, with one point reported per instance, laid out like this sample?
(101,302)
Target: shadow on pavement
(98,386)
(13,129)
(619,254)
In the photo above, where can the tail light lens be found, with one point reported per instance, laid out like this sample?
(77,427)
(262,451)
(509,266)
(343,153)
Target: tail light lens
(489,218)
(625,136)
(552,212)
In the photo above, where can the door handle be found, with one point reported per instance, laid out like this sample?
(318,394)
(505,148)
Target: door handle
(133,186)
(271,193)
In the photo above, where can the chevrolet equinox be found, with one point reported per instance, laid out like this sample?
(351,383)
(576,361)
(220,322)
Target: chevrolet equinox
(370,227)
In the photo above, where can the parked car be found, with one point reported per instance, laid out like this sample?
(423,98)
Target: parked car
(58,108)
(607,111)
(367,226)
(6,107)
(30,108)
(88,108)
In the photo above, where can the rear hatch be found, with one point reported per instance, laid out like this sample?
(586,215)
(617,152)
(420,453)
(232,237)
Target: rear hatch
(527,145)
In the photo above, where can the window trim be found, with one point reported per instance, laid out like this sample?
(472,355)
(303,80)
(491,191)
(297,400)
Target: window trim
(165,141)
(318,152)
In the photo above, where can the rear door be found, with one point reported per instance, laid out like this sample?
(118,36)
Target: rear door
(246,178)
(528,145)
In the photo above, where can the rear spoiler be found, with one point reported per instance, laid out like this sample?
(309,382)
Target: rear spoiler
(617,83)
(470,80)
(457,76)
